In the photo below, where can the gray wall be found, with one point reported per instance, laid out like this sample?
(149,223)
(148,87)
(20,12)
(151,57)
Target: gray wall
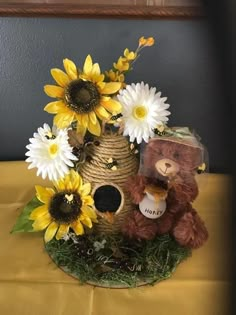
(182,64)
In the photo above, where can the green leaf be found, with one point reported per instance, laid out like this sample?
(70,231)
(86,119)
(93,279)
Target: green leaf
(23,223)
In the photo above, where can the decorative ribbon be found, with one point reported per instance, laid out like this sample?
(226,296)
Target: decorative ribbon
(179,132)
(182,132)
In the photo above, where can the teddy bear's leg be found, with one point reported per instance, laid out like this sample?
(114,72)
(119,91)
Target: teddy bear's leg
(135,185)
(137,226)
(164,223)
(190,230)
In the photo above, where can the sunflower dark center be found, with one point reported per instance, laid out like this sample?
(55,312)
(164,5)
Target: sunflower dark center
(82,96)
(65,207)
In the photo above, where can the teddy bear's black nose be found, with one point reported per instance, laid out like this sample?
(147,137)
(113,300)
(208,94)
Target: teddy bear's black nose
(167,165)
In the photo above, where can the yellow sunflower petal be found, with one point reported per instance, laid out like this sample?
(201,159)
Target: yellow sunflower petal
(54,91)
(69,177)
(76,184)
(63,121)
(101,85)
(69,186)
(62,230)
(94,129)
(84,120)
(85,189)
(63,182)
(94,220)
(60,185)
(65,110)
(97,78)
(42,222)
(75,174)
(76,181)
(44,194)
(92,118)
(111,88)
(72,181)
(38,212)
(80,129)
(88,200)
(88,64)
(85,77)
(99,116)
(102,113)
(111,105)
(89,212)
(86,221)
(70,68)
(54,107)
(60,77)
(77,227)
(58,107)
(105,98)
(96,70)
(50,232)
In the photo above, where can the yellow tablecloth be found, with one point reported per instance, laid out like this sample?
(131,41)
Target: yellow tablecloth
(30,283)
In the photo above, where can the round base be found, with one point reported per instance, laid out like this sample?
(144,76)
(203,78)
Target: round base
(116,262)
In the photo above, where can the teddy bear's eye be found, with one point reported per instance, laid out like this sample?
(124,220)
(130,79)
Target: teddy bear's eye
(176,155)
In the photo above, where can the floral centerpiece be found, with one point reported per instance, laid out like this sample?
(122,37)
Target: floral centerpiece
(95,156)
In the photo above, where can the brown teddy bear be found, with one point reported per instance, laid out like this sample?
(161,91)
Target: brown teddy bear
(167,175)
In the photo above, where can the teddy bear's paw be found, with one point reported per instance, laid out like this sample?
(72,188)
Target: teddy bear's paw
(139,227)
(190,230)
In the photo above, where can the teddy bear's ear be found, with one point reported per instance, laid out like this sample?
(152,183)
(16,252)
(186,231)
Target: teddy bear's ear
(149,153)
(154,145)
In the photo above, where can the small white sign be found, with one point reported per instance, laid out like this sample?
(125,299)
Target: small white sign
(150,208)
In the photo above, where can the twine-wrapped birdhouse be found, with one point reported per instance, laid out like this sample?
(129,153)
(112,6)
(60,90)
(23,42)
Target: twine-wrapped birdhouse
(111,162)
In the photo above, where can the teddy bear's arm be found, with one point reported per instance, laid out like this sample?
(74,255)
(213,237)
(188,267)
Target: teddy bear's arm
(136,186)
(184,187)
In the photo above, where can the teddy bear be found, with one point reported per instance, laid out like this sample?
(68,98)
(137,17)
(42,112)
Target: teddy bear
(167,174)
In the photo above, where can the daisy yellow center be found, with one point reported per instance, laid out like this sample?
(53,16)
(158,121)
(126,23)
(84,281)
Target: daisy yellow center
(65,207)
(53,150)
(140,112)
(82,96)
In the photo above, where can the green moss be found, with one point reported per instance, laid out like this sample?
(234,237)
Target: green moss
(121,262)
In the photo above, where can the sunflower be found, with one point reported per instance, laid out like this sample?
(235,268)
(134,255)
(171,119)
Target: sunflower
(68,205)
(81,97)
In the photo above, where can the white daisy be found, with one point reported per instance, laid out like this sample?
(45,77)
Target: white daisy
(143,110)
(50,152)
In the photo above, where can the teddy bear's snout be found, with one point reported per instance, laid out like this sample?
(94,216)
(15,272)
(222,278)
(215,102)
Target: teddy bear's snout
(167,167)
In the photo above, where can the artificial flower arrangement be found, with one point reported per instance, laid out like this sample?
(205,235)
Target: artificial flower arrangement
(119,209)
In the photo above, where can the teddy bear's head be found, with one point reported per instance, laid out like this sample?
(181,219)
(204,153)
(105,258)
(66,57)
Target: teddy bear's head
(163,157)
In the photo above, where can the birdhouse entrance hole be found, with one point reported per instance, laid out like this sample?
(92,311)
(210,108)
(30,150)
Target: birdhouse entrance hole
(108,197)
